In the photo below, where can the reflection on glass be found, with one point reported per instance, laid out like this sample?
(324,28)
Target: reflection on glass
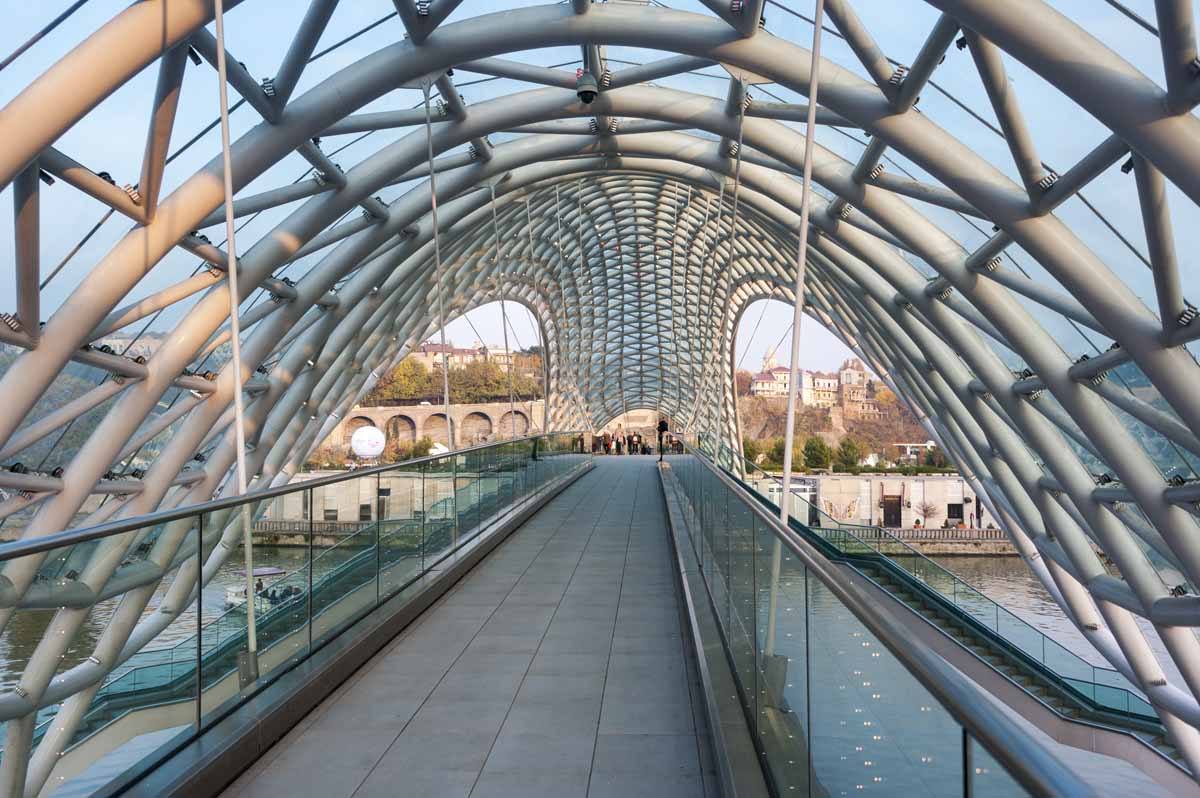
(322,556)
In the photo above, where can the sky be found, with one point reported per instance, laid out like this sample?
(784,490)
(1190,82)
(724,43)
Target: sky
(111,138)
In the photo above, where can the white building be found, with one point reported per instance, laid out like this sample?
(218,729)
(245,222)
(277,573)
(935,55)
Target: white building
(887,500)
(913,452)
(771,382)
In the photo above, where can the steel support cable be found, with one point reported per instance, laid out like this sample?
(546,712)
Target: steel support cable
(41,34)
(801,257)
(235,340)
(537,328)
(512,407)
(562,292)
(712,296)
(701,260)
(719,344)
(437,258)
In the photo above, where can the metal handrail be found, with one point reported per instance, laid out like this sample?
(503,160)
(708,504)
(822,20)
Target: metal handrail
(22,548)
(1037,770)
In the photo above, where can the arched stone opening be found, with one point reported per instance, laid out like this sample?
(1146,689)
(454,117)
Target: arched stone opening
(434,428)
(476,428)
(401,429)
(505,430)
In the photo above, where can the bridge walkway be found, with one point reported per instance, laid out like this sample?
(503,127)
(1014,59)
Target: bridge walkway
(558,666)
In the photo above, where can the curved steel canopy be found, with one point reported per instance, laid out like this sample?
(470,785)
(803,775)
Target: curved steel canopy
(614,223)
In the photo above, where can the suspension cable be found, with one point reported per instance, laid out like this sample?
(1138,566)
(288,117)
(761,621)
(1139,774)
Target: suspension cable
(231,272)
(512,360)
(737,184)
(801,258)
(437,259)
(562,293)
(537,328)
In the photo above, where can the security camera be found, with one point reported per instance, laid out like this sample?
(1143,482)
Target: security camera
(586,88)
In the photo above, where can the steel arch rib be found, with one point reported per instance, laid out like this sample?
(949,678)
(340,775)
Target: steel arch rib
(910,342)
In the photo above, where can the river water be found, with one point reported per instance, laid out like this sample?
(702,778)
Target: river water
(1006,580)
(24,630)
(1010,583)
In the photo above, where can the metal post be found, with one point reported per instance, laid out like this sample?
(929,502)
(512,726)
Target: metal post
(737,184)
(968,776)
(797,316)
(512,405)
(199,622)
(250,673)
(801,257)
(437,259)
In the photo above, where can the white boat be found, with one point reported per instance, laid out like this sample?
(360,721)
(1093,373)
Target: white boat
(235,595)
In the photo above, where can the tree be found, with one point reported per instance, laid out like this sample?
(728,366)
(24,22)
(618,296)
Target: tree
(817,453)
(750,449)
(742,380)
(928,512)
(848,455)
(935,457)
(409,381)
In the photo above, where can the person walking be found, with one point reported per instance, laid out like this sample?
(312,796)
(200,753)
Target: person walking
(663,428)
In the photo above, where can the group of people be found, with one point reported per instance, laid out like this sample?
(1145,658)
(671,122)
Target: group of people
(630,442)
(276,594)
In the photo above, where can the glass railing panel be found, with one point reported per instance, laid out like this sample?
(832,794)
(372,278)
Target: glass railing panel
(64,626)
(401,519)
(522,453)
(441,520)
(977,605)
(1021,635)
(345,564)
(321,557)
(1103,685)
(741,629)
(1071,668)
(275,599)
(466,493)
(988,777)
(491,484)
(835,712)
(782,728)
(873,725)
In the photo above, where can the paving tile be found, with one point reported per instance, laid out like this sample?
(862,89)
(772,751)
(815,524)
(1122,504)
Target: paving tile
(556,661)
(645,766)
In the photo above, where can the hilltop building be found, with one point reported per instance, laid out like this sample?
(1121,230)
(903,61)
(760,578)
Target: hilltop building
(851,389)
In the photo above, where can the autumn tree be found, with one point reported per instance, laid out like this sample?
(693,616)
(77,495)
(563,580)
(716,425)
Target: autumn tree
(742,380)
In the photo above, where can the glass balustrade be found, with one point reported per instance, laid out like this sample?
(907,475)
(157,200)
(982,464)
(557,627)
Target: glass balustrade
(1104,687)
(832,709)
(189,658)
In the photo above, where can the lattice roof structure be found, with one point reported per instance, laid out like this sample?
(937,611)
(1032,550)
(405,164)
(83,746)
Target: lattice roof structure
(1034,318)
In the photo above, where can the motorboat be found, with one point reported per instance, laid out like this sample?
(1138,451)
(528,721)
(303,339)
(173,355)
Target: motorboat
(235,595)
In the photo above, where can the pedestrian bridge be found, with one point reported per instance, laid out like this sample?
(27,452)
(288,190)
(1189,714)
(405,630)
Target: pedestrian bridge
(975,197)
(558,624)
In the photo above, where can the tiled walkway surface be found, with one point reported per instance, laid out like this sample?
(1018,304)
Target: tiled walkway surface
(556,668)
